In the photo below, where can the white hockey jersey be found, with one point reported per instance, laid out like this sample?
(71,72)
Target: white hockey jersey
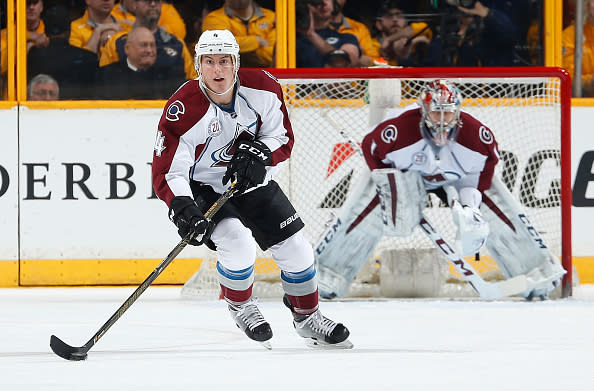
(469,161)
(197,138)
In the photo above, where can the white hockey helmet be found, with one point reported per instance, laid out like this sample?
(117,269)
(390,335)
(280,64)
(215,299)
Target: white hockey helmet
(440,96)
(216,42)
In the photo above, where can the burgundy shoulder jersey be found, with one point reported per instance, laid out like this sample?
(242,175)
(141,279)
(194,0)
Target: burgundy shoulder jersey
(197,138)
(469,161)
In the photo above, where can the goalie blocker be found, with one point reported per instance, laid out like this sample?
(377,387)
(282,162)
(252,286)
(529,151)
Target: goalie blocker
(389,202)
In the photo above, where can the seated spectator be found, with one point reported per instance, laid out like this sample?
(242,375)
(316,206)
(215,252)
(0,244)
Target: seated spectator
(316,41)
(568,40)
(396,40)
(85,32)
(35,33)
(478,36)
(346,25)
(74,68)
(137,77)
(3,54)
(170,21)
(43,87)
(35,27)
(253,27)
(172,54)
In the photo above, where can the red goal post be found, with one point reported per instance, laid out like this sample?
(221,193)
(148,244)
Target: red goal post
(528,109)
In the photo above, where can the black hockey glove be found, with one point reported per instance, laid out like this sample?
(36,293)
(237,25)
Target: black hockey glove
(187,217)
(247,167)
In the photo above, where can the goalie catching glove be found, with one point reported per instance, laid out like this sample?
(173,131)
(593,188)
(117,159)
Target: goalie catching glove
(247,167)
(472,229)
(188,218)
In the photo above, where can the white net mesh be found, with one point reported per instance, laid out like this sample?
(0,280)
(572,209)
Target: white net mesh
(523,113)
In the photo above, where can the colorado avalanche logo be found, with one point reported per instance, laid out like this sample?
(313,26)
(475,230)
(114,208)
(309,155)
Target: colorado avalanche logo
(419,158)
(485,135)
(174,110)
(389,134)
(214,128)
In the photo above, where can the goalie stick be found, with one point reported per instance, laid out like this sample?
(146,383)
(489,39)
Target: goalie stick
(486,290)
(73,353)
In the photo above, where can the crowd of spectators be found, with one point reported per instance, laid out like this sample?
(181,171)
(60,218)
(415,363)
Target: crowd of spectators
(94,35)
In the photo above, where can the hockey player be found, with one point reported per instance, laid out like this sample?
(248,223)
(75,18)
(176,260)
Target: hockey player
(231,126)
(435,147)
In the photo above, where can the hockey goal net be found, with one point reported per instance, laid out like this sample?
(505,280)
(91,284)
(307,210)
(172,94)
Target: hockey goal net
(526,108)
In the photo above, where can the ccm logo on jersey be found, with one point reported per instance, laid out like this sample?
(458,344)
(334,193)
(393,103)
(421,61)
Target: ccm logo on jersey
(174,110)
(254,151)
(288,221)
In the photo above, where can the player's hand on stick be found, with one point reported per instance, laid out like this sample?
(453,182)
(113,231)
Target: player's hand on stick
(472,228)
(188,218)
(247,167)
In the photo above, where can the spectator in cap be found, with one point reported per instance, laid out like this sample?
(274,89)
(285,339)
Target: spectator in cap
(73,68)
(395,39)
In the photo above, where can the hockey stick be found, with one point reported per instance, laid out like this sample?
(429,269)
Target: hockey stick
(486,290)
(73,353)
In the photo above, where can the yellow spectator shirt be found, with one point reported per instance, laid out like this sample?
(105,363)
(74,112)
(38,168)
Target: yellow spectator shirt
(262,24)
(3,52)
(81,30)
(170,19)
(416,27)
(568,37)
(4,46)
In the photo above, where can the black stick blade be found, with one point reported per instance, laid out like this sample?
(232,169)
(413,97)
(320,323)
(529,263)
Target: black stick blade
(66,351)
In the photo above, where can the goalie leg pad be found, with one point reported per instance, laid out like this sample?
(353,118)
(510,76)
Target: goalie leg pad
(516,245)
(402,199)
(349,240)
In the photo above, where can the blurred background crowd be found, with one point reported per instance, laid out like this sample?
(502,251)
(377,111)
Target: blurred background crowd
(143,49)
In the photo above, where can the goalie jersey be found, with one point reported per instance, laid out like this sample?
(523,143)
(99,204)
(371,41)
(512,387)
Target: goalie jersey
(467,161)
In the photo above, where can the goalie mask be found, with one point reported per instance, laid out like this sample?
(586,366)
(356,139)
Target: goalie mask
(440,105)
(216,42)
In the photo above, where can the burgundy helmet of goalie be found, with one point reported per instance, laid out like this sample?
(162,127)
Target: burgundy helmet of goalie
(440,105)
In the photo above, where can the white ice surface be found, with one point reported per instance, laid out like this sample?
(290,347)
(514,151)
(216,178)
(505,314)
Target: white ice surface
(164,342)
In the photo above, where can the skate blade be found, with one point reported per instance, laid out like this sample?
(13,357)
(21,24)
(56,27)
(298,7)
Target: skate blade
(313,343)
(266,344)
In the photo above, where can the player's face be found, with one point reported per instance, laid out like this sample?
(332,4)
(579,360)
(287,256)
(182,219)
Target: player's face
(441,116)
(218,72)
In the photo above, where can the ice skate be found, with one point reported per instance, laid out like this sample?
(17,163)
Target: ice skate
(248,318)
(319,330)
